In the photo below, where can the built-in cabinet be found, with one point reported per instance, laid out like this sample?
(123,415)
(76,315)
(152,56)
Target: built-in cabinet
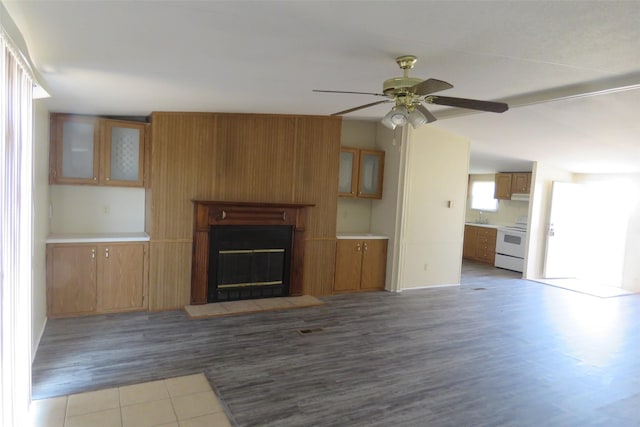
(92,278)
(520,183)
(361,173)
(512,183)
(479,244)
(96,151)
(360,264)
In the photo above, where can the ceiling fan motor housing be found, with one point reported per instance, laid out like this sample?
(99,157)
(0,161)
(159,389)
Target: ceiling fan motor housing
(396,85)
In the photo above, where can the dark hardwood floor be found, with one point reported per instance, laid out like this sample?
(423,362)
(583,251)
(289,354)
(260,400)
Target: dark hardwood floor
(496,351)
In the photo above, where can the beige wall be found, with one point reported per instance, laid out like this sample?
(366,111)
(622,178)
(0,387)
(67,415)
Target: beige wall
(81,209)
(432,217)
(40,223)
(508,210)
(354,215)
(542,182)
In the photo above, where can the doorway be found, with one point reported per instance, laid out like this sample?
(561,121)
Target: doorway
(587,236)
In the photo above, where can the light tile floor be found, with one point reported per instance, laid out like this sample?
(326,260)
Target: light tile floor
(174,402)
(250,306)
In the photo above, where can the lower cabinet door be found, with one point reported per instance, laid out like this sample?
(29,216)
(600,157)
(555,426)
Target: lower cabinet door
(361,265)
(72,281)
(122,273)
(84,278)
(374,264)
(348,265)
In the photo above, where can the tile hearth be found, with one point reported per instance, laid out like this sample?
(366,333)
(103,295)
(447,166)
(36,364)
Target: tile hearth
(250,306)
(175,402)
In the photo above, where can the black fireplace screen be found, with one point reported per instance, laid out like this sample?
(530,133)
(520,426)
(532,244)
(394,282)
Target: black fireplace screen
(247,262)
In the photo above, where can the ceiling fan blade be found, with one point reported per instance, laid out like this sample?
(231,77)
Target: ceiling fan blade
(341,91)
(430,117)
(472,104)
(339,113)
(430,86)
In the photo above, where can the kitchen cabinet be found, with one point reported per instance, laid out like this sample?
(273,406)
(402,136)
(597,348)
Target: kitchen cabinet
(503,186)
(361,173)
(479,244)
(520,183)
(512,183)
(96,151)
(92,278)
(360,265)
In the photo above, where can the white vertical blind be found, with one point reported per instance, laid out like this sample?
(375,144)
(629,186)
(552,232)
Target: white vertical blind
(16,115)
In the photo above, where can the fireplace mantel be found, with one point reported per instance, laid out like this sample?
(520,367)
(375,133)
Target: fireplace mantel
(208,213)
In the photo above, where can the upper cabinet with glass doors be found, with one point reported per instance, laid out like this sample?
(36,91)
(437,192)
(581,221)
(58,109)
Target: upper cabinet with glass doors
(361,173)
(96,151)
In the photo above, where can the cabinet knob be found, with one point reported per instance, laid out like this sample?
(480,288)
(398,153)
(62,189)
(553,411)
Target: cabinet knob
(108,179)
(358,247)
(106,253)
(93,254)
(95,178)
(365,246)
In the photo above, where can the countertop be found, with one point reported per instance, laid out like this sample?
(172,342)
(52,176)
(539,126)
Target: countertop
(97,237)
(482,225)
(360,236)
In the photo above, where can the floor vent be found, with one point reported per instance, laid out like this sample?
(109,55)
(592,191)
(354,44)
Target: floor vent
(309,331)
(479,289)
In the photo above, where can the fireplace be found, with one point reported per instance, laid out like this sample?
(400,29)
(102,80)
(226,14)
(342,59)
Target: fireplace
(249,261)
(245,250)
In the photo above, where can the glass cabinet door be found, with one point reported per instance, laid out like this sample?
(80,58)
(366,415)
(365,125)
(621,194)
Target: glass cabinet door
(371,172)
(347,182)
(124,153)
(78,150)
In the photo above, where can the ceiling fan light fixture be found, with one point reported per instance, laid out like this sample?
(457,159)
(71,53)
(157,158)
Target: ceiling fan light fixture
(417,119)
(398,116)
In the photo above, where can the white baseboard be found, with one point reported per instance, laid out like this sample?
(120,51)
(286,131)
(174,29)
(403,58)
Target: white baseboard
(419,288)
(34,350)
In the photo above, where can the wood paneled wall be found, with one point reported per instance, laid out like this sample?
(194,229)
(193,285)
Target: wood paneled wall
(238,157)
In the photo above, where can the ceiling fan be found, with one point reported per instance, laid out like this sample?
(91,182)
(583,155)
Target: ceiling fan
(408,94)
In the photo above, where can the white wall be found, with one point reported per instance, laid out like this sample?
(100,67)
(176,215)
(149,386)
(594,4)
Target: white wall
(542,181)
(40,223)
(89,209)
(435,202)
(354,215)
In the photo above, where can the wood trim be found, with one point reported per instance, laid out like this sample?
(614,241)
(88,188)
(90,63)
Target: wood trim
(220,213)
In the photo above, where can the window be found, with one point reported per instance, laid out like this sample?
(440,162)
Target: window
(482,193)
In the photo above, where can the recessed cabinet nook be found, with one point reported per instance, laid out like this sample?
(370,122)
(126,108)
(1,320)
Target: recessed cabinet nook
(93,278)
(361,173)
(96,151)
(512,183)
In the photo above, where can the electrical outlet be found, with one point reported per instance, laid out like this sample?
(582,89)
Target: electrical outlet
(426,266)
(106,209)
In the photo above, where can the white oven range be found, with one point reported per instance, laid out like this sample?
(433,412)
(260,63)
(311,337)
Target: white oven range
(510,248)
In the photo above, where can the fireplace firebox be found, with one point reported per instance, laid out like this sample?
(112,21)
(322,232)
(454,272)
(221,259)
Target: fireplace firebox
(244,250)
(249,261)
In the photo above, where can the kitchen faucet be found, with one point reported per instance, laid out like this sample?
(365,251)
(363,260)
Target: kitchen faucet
(482,220)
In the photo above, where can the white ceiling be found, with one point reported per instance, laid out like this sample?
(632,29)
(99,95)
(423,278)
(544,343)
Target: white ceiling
(134,57)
